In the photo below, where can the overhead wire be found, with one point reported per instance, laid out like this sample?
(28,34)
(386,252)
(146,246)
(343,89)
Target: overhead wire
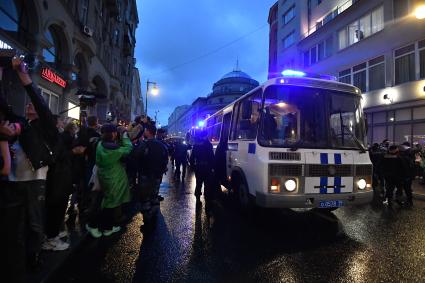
(209,53)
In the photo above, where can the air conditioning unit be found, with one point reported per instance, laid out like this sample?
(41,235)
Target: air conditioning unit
(87,31)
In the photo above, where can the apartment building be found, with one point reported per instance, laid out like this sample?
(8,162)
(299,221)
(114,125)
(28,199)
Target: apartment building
(75,44)
(376,45)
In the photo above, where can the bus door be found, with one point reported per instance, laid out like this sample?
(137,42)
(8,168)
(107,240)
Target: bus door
(222,147)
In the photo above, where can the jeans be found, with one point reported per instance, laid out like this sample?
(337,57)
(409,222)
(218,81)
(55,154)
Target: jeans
(12,236)
(179,164)
(202,177)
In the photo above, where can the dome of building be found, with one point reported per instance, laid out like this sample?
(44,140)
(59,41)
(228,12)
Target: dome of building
(236,74)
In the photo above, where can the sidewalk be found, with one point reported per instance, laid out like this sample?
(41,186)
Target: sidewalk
(52,261)
(418,190)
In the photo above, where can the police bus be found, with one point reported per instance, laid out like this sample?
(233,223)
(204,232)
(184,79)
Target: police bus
(297,141)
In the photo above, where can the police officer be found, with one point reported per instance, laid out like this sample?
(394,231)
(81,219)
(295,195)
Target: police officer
(152,159)
(408,157)
(181,159)
(393,171)
(202,159)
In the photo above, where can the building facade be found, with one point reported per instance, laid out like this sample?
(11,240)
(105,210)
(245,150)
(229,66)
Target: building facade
(137,106)
(226,90)
(76,45)
(376,45)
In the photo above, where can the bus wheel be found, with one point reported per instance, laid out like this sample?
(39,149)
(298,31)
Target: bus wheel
(245,200)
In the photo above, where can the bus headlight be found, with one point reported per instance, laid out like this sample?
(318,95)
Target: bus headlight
(361,184)
(290,185)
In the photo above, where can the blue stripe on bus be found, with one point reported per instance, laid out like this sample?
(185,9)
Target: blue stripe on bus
(324,158)
(337,185)
(323,185)
(251,148)
(337,157)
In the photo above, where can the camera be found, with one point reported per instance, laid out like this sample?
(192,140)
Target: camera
(88,98)
(6,56)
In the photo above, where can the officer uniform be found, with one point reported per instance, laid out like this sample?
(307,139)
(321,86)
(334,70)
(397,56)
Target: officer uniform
(181,159)
(202,159)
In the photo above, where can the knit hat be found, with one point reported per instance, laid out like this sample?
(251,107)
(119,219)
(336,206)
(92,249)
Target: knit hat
(108,128)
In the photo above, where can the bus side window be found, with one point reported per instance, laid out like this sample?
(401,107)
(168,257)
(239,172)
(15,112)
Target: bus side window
(249,117)
(235,115)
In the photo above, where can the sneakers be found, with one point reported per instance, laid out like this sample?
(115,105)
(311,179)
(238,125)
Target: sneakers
(63,234)
(94,232)
(55,244)
(115,229)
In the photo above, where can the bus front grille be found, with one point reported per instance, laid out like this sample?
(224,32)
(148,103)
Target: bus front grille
(285,169)
(285,156)
(364,170)
(318,170)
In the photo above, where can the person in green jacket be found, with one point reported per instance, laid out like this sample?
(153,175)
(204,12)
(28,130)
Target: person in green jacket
(112,178)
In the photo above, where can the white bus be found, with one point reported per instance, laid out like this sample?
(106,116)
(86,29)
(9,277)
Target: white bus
(294,142)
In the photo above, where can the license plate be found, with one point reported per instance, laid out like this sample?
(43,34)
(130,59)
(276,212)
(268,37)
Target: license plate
(330,203)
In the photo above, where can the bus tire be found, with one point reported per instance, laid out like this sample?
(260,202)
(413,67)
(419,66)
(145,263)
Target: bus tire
(245,200)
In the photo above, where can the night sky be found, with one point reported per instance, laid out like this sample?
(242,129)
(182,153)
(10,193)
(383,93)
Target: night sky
(174,34)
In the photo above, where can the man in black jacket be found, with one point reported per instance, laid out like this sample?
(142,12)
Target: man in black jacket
(202,158)
(393,171)
(152,158)
(33,152)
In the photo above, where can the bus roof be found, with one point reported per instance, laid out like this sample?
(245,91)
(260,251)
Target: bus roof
(297,81)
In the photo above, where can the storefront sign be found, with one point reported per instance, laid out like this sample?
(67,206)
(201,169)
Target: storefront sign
(4,45)
(52,77)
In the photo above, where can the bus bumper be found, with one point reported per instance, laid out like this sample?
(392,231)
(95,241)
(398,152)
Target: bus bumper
(311,201)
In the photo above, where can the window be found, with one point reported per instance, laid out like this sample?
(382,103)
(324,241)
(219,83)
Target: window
(306,56)
(378,19)
(289,40)
(342,35)
(359,76)
(329,46)
(377,73)
(362,28)
(51,49)
(248,117)
(321,51)
(422,59)
(367,76)
(405,64)
(313,55)
(51,99)
(289,15)
(9,16)
(345,76)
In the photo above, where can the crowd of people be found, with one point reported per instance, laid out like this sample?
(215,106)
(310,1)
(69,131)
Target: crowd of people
(395,167)
(53,170)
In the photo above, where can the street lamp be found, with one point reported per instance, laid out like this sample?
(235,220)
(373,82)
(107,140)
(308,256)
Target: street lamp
(154,92)
(420,12)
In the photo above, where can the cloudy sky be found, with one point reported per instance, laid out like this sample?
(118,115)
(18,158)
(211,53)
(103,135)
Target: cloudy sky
(187,45)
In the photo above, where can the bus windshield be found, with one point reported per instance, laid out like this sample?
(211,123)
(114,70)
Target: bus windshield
(302,117)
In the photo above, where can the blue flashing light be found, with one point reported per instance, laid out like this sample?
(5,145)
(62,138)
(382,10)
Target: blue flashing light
(293,73)
(201,124)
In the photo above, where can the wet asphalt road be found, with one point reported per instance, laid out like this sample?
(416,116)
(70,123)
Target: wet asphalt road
(363,244)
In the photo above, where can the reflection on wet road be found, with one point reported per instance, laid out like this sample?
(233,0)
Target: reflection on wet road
(363,244)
